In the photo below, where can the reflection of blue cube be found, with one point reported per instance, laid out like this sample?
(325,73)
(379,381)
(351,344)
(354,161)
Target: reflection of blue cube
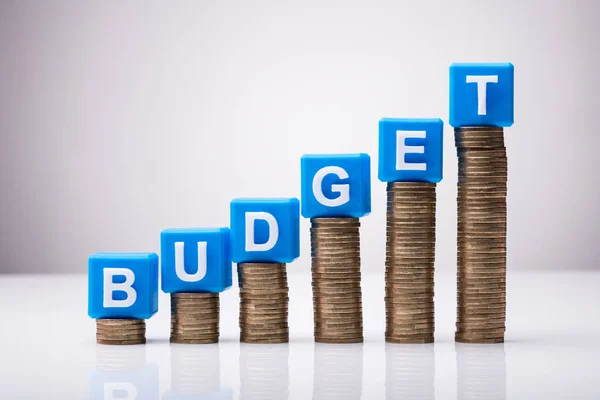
(410,150)
(337,185)
(482,94)
(195,260)
(141,383)
(265,230)
(123,285)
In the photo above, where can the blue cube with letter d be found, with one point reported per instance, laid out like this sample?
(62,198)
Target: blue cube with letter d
(482,94)
(122,285)
(410,150)
(265,230)
(336,185)
(195,260)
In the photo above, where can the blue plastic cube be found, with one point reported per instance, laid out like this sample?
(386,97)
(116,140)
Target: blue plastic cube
(195,260)
(265,230)
(123,285)
(410,150)
(336,185)
(482,94)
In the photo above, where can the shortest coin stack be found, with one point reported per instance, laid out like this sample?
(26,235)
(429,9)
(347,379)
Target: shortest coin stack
(263,303)
(194,318)
(120,331)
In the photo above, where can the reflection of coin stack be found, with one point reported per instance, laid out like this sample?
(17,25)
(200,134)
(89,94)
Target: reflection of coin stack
(338,372)
(124,358)
(410,372)
(481,372)
(482,180)
(120,331)
(337,296)
(410,257)
(263,303)
(194,318)
(264,372)
(195,369)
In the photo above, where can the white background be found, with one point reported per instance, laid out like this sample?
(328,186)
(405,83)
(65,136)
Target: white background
(120,119)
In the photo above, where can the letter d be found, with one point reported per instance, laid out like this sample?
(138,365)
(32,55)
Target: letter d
(251,245)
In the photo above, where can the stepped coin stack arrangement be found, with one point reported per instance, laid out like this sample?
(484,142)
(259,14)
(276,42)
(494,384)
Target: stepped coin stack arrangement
(337,297)
(263,303)
(120,331)
(409,266)
(482,180)
(264,237)
(194,318)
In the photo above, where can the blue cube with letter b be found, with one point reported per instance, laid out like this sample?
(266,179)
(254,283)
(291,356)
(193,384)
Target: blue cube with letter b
(265,230)
(195,260)
(482,94)
(123,285)
(410,150)
(336,185)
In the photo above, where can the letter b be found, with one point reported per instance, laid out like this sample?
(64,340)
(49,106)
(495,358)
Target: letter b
(122,285)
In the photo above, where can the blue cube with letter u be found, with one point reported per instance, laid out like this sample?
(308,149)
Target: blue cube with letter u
(265,230)
(122,285)
(195,260)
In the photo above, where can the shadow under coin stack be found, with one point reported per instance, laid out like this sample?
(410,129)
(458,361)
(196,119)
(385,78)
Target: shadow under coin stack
(410,259)
(337,296)
(120,331)
(194,318)
(263,303)
(481,105)
(482,179)
(411,225)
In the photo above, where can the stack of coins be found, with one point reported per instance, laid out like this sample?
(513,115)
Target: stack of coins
(194,318)
(337,296)
(410,258)
(482,180)
(263,303)
(120,331)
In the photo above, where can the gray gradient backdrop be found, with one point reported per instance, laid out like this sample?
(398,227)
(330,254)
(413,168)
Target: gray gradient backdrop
(119,119)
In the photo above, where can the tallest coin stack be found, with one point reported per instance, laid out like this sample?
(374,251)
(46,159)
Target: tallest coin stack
(481,104)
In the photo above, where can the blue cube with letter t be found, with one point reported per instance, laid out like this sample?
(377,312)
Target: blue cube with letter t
(482,95)
(265,230)
(336,185)
(195,260)
(122,285)
(410,150)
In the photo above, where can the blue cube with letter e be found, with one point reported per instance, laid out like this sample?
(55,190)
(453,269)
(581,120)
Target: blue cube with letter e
(195,260)
(410,150)
(122,285)
(336,185)
(482,94)
(265,230)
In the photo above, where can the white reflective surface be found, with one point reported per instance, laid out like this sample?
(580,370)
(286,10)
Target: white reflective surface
(47,349)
